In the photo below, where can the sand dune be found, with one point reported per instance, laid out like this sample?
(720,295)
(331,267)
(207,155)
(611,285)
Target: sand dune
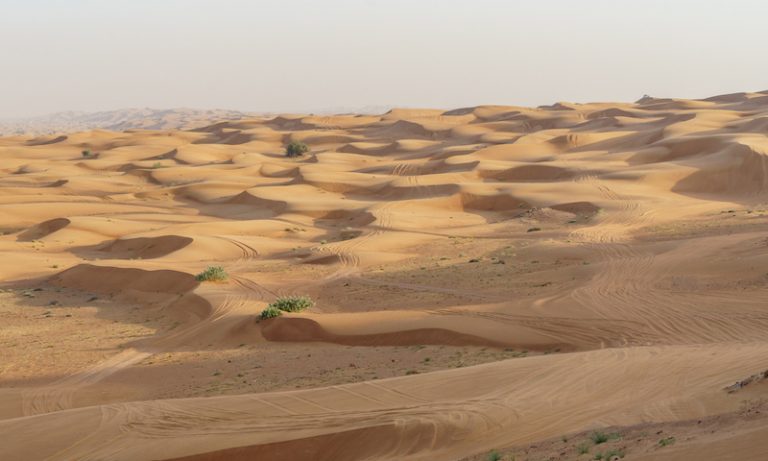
(485,278)
(117,120)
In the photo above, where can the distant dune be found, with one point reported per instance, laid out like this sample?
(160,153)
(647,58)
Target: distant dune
(567,282)
(118,120)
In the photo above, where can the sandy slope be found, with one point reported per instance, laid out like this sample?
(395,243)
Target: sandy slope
(617,251)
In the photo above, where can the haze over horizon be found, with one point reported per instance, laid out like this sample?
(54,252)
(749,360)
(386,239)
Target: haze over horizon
(300,56)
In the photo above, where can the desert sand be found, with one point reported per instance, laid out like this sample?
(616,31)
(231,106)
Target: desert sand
(486,278)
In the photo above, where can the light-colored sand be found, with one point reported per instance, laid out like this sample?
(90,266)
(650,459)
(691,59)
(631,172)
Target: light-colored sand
(609,262)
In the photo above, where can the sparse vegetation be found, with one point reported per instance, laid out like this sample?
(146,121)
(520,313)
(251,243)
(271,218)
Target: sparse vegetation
(86,153)
(613,453)
(212,274)
(583,448)
(270,312)
(292,303)
(534,229)
(296,149)
(286,304)
(666,441)
(494,456)
(598,437)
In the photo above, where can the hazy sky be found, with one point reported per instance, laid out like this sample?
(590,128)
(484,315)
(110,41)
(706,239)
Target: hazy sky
(309,55)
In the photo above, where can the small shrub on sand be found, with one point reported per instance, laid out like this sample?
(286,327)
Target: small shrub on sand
(666,442)
(212,274)
(87,153)
(292,303)
(494,456)
(598,437)
(270,312)
(296,149)
(286,304)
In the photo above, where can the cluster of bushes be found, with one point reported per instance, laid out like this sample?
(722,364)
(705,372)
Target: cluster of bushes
(287,304)
(212,274)
(296,149)
(599,438)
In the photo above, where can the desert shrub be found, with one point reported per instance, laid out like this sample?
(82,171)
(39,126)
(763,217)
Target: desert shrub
(598,437)
(667,441)
(212,274)
(494,456)
(583,448)
(270,312)
(296,149)
(292,303)
(86,153)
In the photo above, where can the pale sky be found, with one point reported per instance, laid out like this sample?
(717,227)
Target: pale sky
(313,55)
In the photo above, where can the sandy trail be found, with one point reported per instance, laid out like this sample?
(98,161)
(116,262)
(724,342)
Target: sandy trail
(444,413)
(58,395)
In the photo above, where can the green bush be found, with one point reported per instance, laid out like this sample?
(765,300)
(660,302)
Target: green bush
(286,304)
(599,437)
(212,274)
(292,303)
(87,153)
(270,312)
(494,456)
(296,149)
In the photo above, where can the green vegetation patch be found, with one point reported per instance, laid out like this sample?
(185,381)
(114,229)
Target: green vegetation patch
(296,149)
(212,274)
(287,304)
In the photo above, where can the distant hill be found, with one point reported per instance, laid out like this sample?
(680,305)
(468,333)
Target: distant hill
(118,120)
